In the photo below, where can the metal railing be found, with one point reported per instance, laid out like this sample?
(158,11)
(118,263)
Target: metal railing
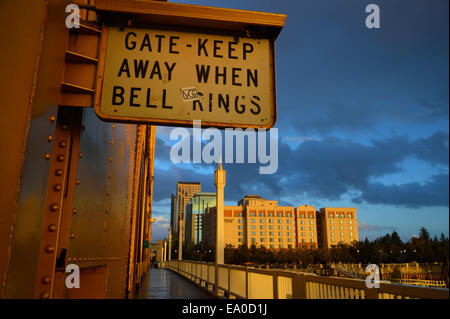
(239,282)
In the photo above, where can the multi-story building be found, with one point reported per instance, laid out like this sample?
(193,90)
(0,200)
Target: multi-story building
(306,225)
(195,210)
(265,224)
(173,213)
(338,226)
(185,191)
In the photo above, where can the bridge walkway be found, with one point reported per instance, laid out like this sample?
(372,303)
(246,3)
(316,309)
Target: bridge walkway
(165,284)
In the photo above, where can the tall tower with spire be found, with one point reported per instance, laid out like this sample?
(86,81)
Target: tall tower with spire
(220,182)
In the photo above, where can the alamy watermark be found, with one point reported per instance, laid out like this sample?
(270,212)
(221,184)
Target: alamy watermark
(373,279)
(212,151)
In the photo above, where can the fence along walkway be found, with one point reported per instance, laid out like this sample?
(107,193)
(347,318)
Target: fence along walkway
(249,283)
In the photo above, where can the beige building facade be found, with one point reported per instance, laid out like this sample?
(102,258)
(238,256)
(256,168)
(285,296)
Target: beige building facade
(185,191)
(265,224)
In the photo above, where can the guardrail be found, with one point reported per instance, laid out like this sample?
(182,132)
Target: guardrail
(236,282)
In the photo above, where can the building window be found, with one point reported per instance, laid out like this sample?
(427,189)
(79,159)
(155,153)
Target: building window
(303,234)
(239,226)
(270,214)
(289,246)
(262,234)
(342,234)
(280,246)
(280,234)
(271,221)
(280,214)
(253,240)
(350,222)
(272,246)
(280,221)
(290,240)
(303,240)
(270,226)
(241,240)
(310,216)
(262,240)
(280,240)
(252,233)
(351,234)
(302,216)
(240,221)
(252,220)
(288,233)
(261,214)
(350,227)
(240,233)
(332,234)
(288,227)
(302,222)
(280,227)
(252,227)
(302,228)
(272,240)
(331,221)
(262,221)
(261,227)
(252,214)
(311,228)
(340,221)
(271,233)
(332,227)
(288,221)
(332,240)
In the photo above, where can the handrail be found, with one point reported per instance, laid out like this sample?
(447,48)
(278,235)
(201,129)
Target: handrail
(231,281)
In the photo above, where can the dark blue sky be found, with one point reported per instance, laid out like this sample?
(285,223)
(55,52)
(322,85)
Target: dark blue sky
(363,116)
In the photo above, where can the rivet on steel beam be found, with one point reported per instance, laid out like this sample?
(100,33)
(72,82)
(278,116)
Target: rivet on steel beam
(103,244)
(62,144)
(81,155)
(44,295)
(59,172)
(49,138)
(60,158)
(52,119)
(54,207)
(107,194)
(64,127)
(72,236)
(49,249)
(47,156)
(106,212)
(46,280)
(109,176)
(74,211)
(77,182)
(57,188)
(110,159)
(51,228)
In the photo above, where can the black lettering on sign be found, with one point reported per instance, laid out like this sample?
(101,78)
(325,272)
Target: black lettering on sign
(240,110)
(156,71)
(164,101)
(258,107)
(217,48)
(202,73)
(124,68)
(235,76)
(118,92)
(130,45)
(134,96)
(202,47)
(248,48)
(146,43)
(160,37)
(221,75)
(197,103)
(140,68)
(149,91)
(173,44)
(253,77)
(231,49)
(170,69)
(224,103)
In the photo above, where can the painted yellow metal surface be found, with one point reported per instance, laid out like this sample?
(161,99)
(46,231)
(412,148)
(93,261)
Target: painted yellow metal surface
(173,78)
